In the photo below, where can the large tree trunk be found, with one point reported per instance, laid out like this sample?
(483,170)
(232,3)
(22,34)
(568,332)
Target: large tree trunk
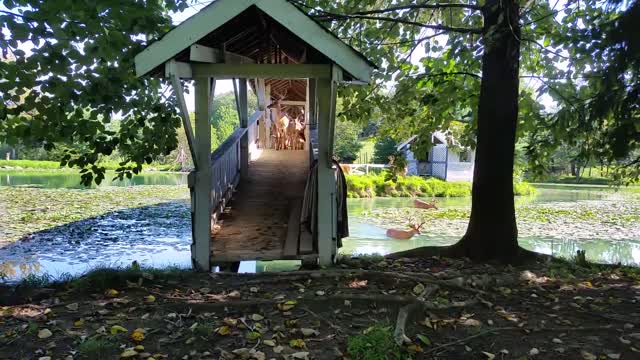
(492,232)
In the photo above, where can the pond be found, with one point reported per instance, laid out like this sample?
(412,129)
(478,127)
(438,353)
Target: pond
(71,180)
(147,219)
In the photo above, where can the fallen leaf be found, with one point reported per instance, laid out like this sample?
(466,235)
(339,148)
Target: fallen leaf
(414,348)
(489,355)
(534,352)
(44,334)
(297,343)
(320,293)
(288,305)
(72,307)
(223,330)
(587,355)
(309,332)
(253,289)
(418,289)
(253,335)
(230,321)
(128,353)
(278,349)
(425,340)
(115,329)
(137,335)
(269,343)
(111,293)
(300,356)
(257,317)
(149,299)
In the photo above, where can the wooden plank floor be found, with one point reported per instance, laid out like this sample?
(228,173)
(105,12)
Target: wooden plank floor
(255,224)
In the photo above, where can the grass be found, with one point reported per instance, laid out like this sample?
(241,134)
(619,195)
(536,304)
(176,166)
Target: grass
(366,186)
(98,348)
(102,278)
(376,343)
(582,180)
(55,165)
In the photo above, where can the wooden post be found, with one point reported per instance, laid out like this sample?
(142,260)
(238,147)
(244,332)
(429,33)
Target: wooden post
(243,113)
(267,115)
(313,104)
(307,119)
(326,178)
(201,247)
(262,106)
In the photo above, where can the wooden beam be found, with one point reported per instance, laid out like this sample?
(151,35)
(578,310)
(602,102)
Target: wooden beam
(177,68)
(200,249)
(326,178)
(293,103)
(273,71)
(205,54)
(184,111)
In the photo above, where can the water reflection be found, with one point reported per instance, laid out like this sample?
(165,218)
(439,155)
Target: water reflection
(71,180)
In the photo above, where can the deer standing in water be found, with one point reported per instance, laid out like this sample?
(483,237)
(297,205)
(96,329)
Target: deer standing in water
(420,204)
(405,234)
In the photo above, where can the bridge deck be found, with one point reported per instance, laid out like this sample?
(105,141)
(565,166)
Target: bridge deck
(256,223)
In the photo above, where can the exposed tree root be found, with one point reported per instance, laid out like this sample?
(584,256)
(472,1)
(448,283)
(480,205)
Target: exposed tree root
(408,310)
(523,256)
(426,278)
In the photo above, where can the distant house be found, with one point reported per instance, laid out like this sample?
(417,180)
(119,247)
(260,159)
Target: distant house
(443,162)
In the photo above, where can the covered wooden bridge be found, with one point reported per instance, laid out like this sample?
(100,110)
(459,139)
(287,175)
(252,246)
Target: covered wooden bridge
(252,199)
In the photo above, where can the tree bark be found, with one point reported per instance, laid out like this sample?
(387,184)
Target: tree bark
(492,232)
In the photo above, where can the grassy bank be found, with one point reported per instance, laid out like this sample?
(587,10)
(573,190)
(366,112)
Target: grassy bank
(55,165)
(364,186)
(140,313)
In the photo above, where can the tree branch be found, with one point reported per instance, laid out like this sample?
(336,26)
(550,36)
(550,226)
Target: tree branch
(462,30)
(419,6)
(449,73)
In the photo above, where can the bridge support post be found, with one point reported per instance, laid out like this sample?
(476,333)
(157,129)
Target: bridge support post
(326,93)
(201,196)
(243,114)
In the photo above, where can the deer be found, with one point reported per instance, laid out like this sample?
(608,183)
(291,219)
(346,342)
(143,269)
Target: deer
(405,234)
(420,204)
(292,134)
(280,124)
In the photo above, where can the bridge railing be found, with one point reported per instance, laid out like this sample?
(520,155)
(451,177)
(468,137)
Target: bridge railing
(225,164)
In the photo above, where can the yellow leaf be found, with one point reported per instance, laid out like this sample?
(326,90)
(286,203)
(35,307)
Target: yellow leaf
(414,348)
(128,353)
(111,293)
(44,334)
(137,335)
(78,323)
(288,305)
(149,299)
(297,343)
(223,330)
(139,348)
(115,329)
(230,321)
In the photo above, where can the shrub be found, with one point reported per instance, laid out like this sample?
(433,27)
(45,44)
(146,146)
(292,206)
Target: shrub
(364,186)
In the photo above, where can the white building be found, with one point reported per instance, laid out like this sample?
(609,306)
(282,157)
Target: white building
(443,162)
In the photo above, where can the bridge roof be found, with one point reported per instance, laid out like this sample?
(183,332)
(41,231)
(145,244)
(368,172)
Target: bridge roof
(260,31)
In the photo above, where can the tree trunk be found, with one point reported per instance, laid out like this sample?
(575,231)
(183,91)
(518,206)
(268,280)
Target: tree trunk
(492,232)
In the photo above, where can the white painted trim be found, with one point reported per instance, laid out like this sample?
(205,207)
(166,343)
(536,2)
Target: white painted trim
(313,34)
(180,69)
(221,11)
(188,33)
(201,53)
(184,111)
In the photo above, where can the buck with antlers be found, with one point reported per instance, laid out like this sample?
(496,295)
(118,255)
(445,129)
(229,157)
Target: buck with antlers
(405,234)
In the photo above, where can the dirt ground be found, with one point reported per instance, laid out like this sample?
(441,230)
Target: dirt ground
(436,309)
